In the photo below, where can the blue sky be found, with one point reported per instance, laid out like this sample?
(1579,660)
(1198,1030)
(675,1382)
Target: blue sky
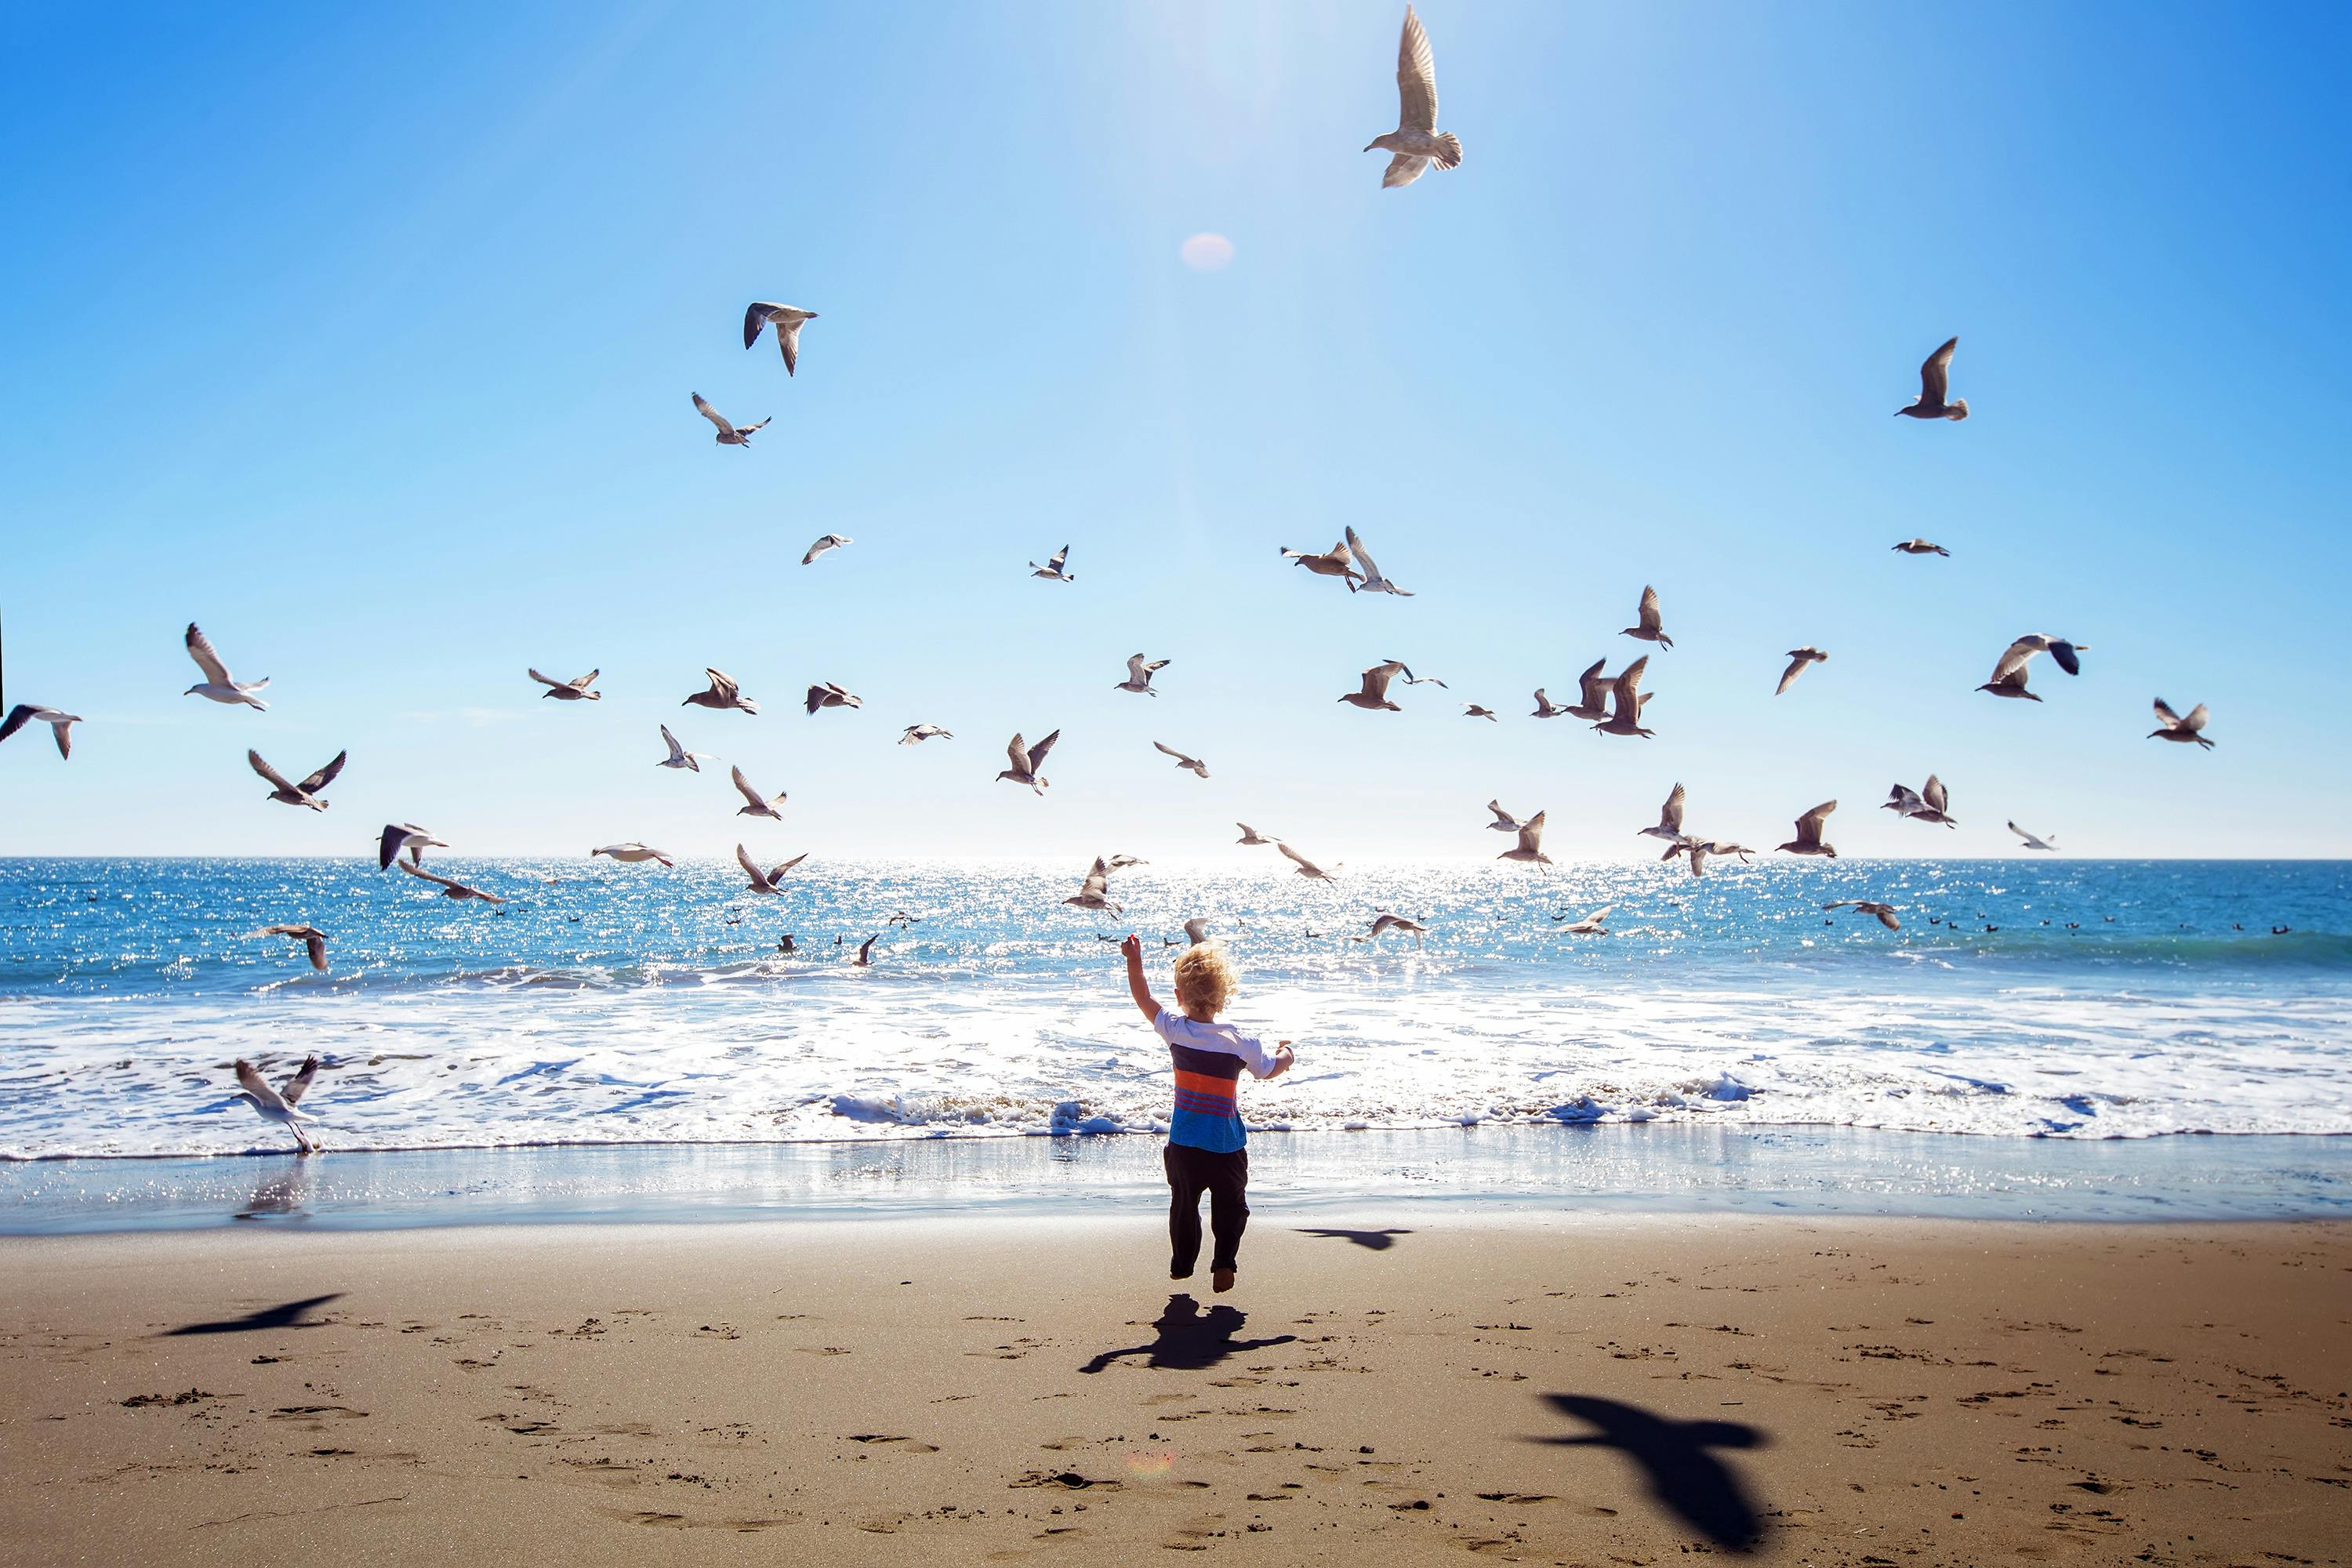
(365,339)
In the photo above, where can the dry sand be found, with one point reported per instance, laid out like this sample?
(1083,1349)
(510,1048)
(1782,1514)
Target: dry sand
(1531,1389)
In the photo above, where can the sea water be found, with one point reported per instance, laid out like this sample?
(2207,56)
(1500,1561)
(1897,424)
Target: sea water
(2045,997)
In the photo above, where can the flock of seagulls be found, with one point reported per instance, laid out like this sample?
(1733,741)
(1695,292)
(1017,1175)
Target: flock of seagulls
(1610,705)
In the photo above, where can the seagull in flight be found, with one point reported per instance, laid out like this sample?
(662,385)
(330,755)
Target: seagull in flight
(399,835)
(787,320)
(1028,762)
(1373,583)
(917,733)
(1798,658)
(1530,848)
(1651,626)
(1473,710)
(1808,840)
(450,889)
(729,436)
(303,793)
(632,853)
(2035,840)
(1592,693)
(828,695)
(218,685)
(723,694)
(1308,868)
(1192,765)
(765,882)
(1095,892)
(679,757)
(2171,726)
(1590,925)
(865,959)
(1504,821)
(1698,850)
(761,805)
(276,1105)
(1546,708)
(1139,671)
(1625,692)
(1921,547)
(1416,142)
(1934,381)
(1670,817)
(825,543)
(1333,563)
(1384,923)
(1374,693)
(2009,673)
(1885,912)
(1054,566)
(60,723)
(1928,804)
(312,939)
(573,690)
(1252,835)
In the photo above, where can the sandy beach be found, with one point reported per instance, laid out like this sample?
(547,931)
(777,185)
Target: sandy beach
(1529,1388)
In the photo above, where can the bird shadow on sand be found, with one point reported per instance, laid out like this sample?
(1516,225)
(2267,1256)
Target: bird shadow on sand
(1191,1340)
(1685,1479)
(285,1315)
(1372,1240)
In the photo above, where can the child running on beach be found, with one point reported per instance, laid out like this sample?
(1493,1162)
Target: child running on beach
(1207,1149)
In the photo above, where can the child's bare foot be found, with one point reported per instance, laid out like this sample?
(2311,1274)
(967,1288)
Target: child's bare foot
(1222,1280)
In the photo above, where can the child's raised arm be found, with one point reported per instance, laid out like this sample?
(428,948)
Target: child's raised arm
(1137,986)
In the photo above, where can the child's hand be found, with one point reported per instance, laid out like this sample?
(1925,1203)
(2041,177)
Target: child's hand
(1131,948)
(1285,1058)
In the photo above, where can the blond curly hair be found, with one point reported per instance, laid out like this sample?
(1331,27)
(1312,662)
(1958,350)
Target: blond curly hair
(1204,980)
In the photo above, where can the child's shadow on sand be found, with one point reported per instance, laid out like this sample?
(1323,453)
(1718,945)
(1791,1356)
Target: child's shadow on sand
(1190,1339)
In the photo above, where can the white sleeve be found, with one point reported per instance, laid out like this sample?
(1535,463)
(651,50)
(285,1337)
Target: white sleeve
(1253,1055)
(1160,1022)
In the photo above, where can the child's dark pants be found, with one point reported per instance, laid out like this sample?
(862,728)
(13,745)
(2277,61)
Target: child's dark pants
(1225,1178)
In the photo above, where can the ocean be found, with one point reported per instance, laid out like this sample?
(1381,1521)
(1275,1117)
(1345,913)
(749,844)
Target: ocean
(633,1004)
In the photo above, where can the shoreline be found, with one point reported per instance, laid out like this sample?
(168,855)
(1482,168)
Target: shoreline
(1568,1169)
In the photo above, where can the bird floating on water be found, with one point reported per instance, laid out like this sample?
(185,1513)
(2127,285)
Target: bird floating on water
(634,853)
(729,436)
(59,722)
(404,835)
(1921,547)
(723,694)
(1935,378)
(1094,893)
(276,1105)
(1808,840)
(1374,692)
(1383,923)
(1336,562)
(1528,850)
(2008,672)
(787,320)
(1627,699)
(1028,762)
(2038,841)
(679,757)
(765,882)
(218,685)
(1416,142)
(1054,566)
(303,793)
(1651,625)
(826,542)
(915,734)
(1798,658)
(314,940)
(2188,730)
(576,689)
(1373,583)
(1190,764)
(1139,671)
(450,890)
(826,694)
(1885,912)
(1928,804)
(760,804)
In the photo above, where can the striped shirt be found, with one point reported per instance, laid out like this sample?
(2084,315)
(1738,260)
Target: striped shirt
(1209,1059)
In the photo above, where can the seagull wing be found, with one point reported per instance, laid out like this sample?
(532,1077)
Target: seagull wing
(266,771)
(300,1084)
(1404,170)
(18,717)
(1056,560)
(1295,858)
(2018,655)
(676,750)
(1594,686)
(325,775)
(1502,818)
(1416,78)
(1670,815)
(778,874)
(1934,795)
(582,682)
(2196,719)
(1037,753)
(1181,760)
(1934,375)
(200,648)
(1532,833)
(703,407)
(1651,619)
(1626,693)
(1019,754)
(1809,826)
(754,318)
(1136,669)
(1795,668)
(254,1084)
(788,338)
(750,868)
(722,685)
(1355,545)
(420,872)
(744,786)
(2165,716)
(1098,883)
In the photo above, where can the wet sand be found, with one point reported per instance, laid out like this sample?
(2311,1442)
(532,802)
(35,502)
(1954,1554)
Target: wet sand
(1527,1388)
